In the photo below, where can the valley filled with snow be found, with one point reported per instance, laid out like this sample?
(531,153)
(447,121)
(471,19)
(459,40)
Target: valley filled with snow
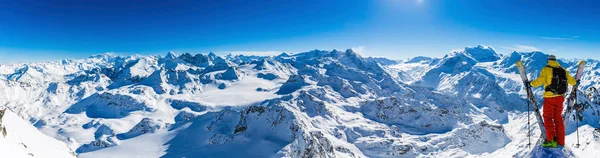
(468,103)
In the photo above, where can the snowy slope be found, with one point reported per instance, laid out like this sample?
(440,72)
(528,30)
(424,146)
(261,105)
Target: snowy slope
(19,139)
(469,103)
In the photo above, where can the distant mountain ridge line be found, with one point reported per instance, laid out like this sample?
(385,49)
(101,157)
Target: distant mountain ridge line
(240,53)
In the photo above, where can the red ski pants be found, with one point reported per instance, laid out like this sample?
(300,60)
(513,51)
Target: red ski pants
(553,121)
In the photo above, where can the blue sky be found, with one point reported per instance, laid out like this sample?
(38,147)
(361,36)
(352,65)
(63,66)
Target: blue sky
(32,30)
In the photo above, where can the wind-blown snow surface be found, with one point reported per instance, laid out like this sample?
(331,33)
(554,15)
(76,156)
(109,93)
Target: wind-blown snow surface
(19,139)
(469,103)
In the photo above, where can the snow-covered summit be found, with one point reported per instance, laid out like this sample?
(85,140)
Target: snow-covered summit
(482,53)
(419,59)
(170,56)
(534,60)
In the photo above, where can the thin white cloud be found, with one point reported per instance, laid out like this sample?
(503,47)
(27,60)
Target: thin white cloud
(359,49)
(560,38)
(525,48)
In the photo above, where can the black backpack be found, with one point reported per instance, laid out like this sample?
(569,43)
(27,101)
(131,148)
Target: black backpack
(559,81)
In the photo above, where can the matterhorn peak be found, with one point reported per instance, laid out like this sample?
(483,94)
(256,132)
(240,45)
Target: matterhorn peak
(170,55)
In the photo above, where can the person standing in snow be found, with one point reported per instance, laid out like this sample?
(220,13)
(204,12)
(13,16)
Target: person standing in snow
(555,79)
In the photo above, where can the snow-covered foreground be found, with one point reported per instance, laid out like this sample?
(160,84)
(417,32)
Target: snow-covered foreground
(468,103)
(148,145)
(19,139)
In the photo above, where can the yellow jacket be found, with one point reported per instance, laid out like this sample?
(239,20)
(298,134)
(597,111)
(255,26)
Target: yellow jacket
(545,78)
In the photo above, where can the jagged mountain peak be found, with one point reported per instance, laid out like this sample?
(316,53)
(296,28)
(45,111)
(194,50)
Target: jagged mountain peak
(333,54)
(456,62)
(419,59)
(211,60)
(198,59)
(244,59)
(212,55)
(106,55)
(170,55)
(351,52)
(533,56)
(313,54)
(284,54)
(384,61)
(481,53)
(534,61)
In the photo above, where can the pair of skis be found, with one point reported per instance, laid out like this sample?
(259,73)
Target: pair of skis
(530,96)
(570,102)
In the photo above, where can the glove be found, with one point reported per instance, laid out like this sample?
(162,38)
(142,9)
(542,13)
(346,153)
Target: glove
(527,84)
(578,82)
(578,107)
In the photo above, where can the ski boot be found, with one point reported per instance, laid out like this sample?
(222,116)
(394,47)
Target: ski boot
(549,144)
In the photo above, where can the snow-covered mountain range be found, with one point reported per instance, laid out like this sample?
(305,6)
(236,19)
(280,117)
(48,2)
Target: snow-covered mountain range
(469,103)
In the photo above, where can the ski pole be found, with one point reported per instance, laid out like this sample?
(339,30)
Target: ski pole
(577,129)
(577,120)
(528,127)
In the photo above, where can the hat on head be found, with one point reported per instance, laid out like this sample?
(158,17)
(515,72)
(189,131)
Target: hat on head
(551,57)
